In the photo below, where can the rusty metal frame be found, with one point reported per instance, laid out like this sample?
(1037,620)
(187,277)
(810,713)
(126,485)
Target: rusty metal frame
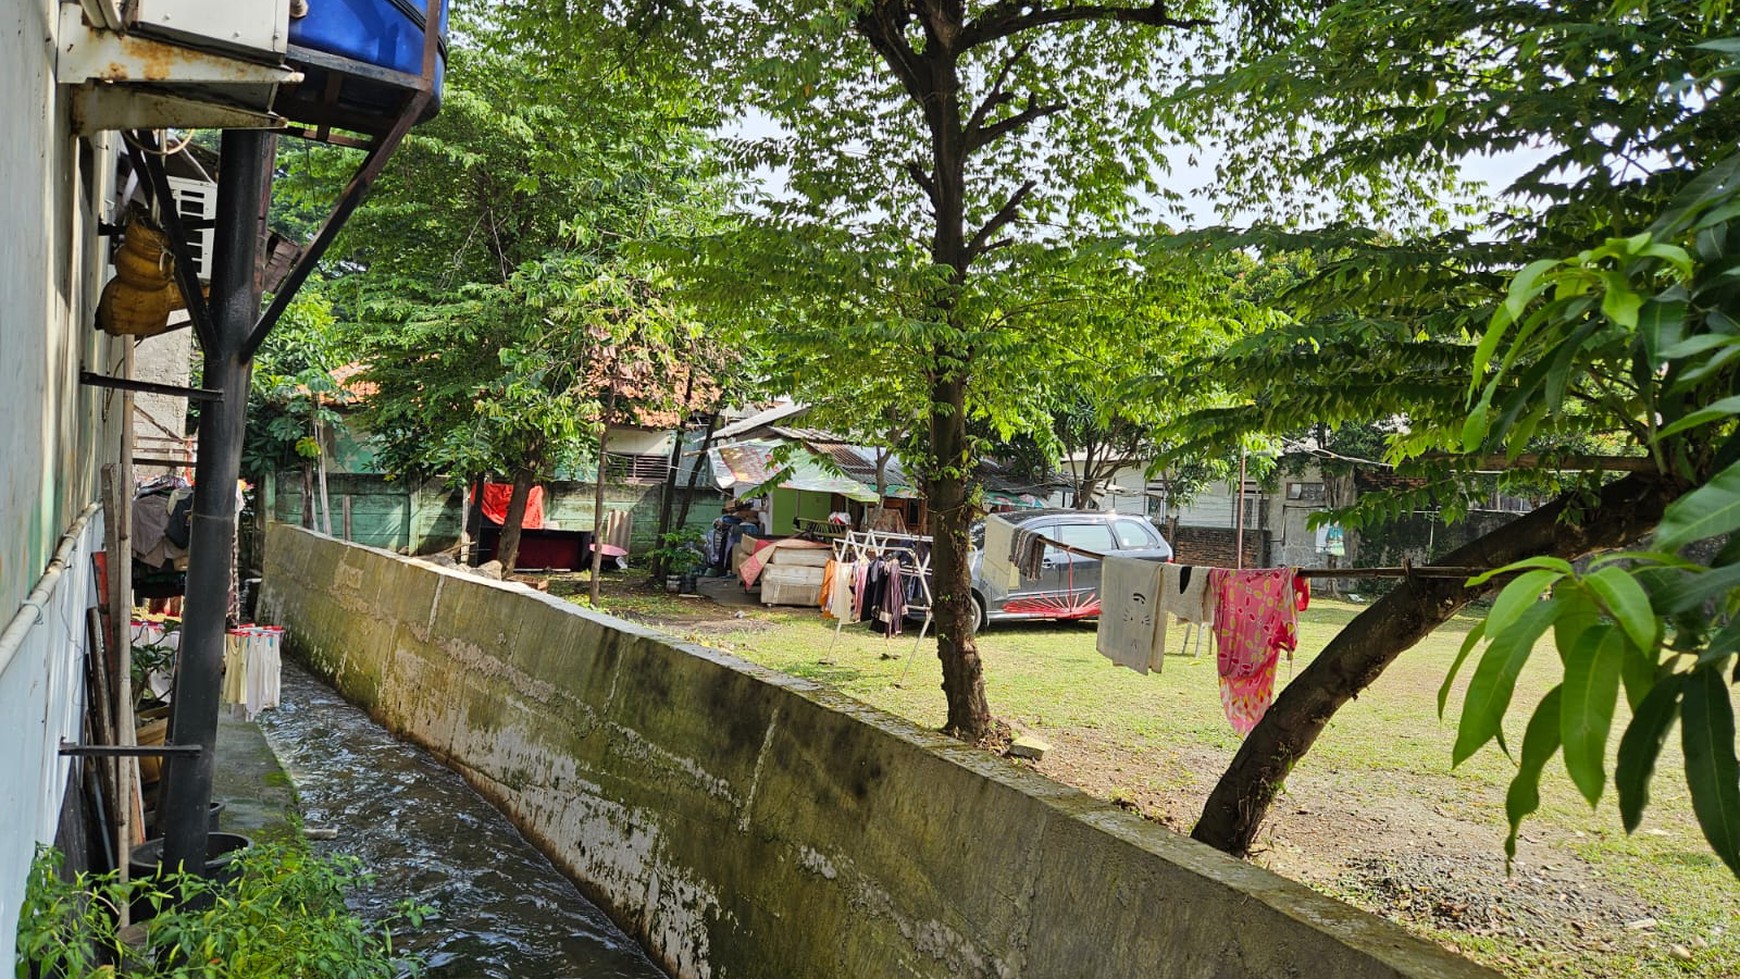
(379,152)
(142,148)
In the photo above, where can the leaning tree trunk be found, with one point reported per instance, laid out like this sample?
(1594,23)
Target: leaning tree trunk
(1624,512)
(508,551)
(951,511)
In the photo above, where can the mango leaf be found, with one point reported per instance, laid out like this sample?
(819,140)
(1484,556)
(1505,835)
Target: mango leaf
(1661,323)
(1468,645)
(1540,740)
(1712,772)
(1626,602)
(1638,672)
(1548,563)
(1722,644)
(1620,303)
(1586,713)
(1517,597)
(1690,590)
(1639,747)
(1711,509)
(1714,411)
(1578,614)
(1494,681)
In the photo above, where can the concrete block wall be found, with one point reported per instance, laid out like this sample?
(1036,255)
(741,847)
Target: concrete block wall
(742,823)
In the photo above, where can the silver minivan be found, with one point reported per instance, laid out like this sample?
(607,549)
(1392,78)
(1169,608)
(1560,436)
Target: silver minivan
(1068,585)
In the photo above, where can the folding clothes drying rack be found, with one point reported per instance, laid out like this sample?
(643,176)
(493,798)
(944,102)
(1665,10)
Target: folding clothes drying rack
(868,544)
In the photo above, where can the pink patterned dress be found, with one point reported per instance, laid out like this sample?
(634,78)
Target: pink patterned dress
(1257,616)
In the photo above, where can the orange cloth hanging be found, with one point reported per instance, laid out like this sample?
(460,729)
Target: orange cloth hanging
(496,497)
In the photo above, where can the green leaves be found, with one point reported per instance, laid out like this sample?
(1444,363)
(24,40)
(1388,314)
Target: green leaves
(1494,681)
(1711,509)
(1641,746)
(1591,690)
(1625,600)
(1540,741)
(1712,774)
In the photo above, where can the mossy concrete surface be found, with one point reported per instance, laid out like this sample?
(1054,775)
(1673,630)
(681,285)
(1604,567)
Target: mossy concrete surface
(247,778)
(743,823)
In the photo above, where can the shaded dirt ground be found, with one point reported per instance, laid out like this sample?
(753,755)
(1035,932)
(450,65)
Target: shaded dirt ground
(1374,815)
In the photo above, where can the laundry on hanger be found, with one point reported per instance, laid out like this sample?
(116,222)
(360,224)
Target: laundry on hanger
(1256,618)
(998,566)
(1027,552)
(1132,626)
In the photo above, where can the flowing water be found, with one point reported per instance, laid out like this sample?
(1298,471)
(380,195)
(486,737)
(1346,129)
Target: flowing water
(502,909)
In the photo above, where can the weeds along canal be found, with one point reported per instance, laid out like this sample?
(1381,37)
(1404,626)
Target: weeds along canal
(503,910)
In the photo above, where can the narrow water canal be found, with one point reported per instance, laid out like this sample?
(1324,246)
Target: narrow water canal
(503,910)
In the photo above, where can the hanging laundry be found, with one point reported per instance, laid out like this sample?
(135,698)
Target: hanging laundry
(997,566)
(840,597)
(1131,619)
(829,579)
(1184,592)
(891,601)
(1256,618)
(1027,552)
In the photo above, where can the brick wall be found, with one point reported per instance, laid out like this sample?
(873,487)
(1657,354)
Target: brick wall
(1217,546)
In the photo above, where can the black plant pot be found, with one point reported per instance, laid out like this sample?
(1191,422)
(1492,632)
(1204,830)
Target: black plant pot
(221,850)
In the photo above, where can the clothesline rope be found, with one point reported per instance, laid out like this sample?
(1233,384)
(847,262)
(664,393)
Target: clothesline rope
(1405,570)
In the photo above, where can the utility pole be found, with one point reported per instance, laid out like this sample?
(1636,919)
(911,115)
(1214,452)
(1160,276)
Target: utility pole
(244,185)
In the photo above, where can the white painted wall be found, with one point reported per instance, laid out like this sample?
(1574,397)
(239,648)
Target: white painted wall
(56,435)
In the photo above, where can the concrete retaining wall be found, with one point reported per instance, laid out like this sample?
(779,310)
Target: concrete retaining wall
(742,823)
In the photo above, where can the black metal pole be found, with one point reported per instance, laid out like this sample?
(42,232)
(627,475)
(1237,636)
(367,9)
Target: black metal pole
(243,181)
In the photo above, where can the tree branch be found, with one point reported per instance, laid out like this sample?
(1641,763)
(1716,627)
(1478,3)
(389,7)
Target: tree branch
(984,136)
(916,172)
(882,25)
(1012,17)
(996,95)
(1005,214)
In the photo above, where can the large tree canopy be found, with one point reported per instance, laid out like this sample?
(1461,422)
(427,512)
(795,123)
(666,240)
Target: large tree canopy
(507,304)
(945,170)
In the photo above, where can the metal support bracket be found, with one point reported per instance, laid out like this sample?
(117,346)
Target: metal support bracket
(70,750)
(142,148)
(147,387)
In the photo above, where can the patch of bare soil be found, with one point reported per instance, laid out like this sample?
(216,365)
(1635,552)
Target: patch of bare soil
(1411,848)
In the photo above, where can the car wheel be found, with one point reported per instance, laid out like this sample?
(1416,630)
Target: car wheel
(981,618)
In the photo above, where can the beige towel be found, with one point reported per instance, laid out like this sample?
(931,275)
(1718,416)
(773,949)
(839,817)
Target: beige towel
(996,567)
(1131,620)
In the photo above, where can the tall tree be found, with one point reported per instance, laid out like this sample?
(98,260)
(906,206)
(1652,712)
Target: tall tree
(1383,96)
(503,275)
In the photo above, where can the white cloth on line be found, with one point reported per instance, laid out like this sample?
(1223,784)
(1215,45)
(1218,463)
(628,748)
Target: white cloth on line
(1132,623)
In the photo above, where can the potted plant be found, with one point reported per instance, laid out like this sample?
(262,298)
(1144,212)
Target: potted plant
(679,553)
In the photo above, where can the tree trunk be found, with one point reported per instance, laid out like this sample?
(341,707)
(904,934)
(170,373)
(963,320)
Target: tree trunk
(668,500)
(508,551)
(695,473)
(598,498)
(1624,512)
(963,683)
(320,467)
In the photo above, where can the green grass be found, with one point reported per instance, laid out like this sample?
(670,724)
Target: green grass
(1378,783)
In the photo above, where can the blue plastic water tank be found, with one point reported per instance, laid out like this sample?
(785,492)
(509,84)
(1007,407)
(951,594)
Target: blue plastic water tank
(354,56)
(384,33)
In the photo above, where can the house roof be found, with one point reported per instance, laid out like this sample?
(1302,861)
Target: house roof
(765,417)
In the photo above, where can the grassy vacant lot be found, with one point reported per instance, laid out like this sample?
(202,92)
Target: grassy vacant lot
(1374,815)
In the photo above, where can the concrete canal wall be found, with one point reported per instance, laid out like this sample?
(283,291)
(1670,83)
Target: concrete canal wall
(743,824)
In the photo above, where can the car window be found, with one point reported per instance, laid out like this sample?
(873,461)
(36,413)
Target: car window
(1135,534)
(1095,537)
